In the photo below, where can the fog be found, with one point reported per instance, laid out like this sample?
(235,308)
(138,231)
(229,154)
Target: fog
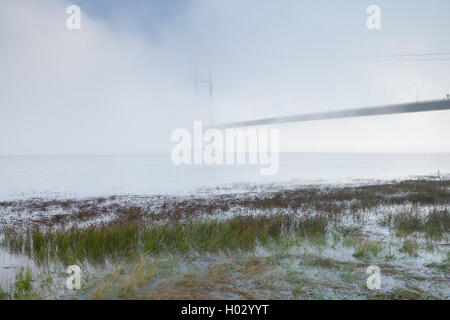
(125,81)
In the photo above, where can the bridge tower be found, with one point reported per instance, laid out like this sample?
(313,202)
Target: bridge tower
(208,80)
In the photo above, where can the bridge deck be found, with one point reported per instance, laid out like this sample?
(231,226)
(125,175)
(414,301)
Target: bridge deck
(425,106)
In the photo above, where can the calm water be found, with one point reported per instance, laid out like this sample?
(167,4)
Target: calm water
(84,176)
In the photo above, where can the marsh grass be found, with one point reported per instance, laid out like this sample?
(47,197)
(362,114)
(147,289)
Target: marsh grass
(320,262)
(367,249)
(3,293)
(312,227)
(410,292)
(245,278)
(435,226)
(105,286)
(22,288)
(142,272)
(129,240)
(443,267)
(23,283)
(410,247)
(333,202)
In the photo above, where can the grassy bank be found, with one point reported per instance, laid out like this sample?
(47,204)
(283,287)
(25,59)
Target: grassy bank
(298,243)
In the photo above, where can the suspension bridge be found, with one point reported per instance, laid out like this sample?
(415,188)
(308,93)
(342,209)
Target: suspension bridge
(412,107)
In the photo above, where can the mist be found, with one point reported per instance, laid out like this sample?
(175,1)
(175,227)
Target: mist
(125,81)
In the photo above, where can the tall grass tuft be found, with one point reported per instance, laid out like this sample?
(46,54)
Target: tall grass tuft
(23,284)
